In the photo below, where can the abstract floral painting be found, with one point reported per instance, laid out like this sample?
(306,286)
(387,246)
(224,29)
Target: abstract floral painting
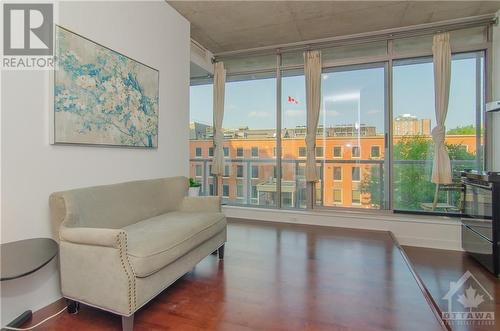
(102,97)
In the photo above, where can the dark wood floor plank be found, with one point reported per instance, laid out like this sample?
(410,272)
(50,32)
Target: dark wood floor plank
(282,277)
(437,268)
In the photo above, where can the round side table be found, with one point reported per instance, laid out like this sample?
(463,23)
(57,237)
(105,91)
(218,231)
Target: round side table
(24,257)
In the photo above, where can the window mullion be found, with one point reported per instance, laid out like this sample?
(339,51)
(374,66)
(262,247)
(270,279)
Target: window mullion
(389,142)
(478,111)
(278,130)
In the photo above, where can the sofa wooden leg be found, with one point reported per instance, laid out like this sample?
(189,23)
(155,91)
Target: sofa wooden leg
(73,307)
(221,252)
(128,323)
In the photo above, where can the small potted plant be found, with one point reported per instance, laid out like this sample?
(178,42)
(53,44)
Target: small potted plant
(194,188)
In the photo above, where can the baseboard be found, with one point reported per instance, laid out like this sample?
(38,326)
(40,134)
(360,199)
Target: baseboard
(410,230)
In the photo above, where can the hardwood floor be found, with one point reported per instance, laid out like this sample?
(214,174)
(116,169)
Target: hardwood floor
(282,277)
(437,268)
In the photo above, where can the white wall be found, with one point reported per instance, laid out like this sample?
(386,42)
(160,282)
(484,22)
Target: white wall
(151,32)
(496,96)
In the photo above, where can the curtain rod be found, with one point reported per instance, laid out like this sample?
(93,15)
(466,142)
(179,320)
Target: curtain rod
(395,33)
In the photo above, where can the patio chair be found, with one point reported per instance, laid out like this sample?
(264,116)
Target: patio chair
(445,206)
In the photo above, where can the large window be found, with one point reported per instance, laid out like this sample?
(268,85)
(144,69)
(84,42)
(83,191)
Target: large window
(293,114)
(200,136)
(352,118)
(373,144)
(250,134)
(414,118)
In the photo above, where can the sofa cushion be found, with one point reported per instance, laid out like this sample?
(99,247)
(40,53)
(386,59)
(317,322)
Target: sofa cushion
(118,205)
(158,241)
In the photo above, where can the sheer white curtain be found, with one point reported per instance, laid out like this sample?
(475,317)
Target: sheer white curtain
(312,72)
(441,50)
(219,89)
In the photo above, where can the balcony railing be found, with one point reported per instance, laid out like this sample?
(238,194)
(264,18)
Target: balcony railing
(252,182)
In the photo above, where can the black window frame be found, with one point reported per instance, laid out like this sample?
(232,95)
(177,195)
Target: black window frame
(333,172)
(340,152)
(240,171)
(354,170)
(358,154)
(254,170)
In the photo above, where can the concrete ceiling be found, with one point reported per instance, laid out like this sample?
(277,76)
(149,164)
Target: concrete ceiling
(234,25)
(197,71)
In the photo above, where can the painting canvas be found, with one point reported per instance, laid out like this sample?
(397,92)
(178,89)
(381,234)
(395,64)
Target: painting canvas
(102,97)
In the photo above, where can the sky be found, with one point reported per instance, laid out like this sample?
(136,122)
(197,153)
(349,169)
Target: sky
(348,97)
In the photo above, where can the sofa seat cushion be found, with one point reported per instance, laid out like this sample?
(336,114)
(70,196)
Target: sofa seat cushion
(158,241)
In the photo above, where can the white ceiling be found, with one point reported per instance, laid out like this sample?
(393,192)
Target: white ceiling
(234,25)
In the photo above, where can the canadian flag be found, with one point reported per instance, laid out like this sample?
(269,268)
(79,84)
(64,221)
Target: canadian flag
(293,100)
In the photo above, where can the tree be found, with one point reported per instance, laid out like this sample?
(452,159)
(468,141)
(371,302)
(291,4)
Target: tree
(373,185)
(462,130)
(412,172)
(459,152)
(416,147)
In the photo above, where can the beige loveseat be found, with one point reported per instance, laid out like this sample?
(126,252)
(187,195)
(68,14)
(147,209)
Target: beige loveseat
(122,244)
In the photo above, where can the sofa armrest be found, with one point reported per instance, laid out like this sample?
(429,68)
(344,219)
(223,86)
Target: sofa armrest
(98,275)
(92,236)
(200,204)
